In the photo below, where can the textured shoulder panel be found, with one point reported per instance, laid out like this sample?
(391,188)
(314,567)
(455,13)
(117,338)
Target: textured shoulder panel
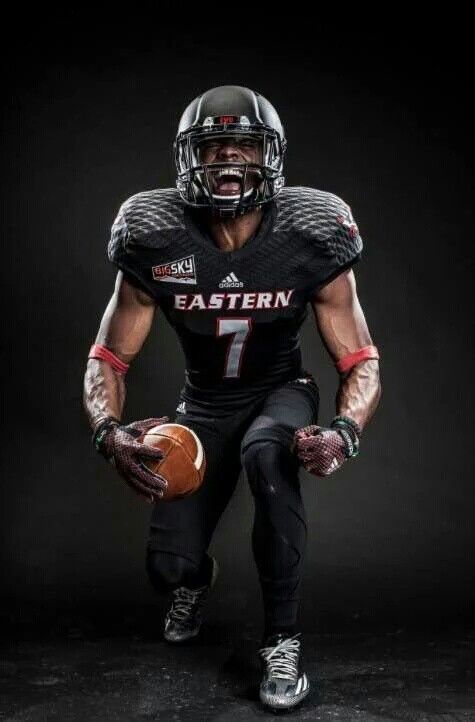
(147,219)
(322,217)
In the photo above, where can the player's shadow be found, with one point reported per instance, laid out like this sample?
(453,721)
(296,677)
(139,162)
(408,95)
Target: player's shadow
(240,673)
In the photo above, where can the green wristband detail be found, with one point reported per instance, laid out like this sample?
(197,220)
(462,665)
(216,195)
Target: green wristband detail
(345,421)
(101,432)
(350,433)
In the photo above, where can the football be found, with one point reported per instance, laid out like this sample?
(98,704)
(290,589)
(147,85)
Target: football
(184,461)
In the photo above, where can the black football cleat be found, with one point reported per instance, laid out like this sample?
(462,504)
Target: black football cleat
(185,616)
(283,684)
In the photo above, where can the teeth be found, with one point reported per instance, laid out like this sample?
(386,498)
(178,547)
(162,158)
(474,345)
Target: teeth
(229,171)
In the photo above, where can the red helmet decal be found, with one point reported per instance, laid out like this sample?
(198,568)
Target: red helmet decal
(228,118)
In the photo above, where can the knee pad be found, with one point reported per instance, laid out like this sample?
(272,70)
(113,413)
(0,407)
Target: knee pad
(266,458)
(168,570)
(277,434)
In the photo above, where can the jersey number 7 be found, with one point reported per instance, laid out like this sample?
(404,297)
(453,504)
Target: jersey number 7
(240,328)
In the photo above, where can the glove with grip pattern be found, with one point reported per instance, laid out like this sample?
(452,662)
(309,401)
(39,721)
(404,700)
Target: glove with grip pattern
(121,446)
(324,450)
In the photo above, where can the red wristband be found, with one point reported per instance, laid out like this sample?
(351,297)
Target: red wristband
(105,354)
(347,362)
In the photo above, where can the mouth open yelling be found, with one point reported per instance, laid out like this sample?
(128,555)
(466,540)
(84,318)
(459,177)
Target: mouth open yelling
(227,181)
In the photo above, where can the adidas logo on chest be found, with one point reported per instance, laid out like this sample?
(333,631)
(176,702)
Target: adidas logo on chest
(231,281)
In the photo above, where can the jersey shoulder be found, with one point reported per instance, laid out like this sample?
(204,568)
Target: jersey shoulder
(149,219)
(323,218)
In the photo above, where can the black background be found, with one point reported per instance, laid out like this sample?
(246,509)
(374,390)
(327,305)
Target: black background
(376,110)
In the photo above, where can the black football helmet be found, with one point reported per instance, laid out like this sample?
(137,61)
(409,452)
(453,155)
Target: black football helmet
(229,110)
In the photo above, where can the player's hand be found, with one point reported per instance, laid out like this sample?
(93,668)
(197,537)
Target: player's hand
(121,446)
(321,450)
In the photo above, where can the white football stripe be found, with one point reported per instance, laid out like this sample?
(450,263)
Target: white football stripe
(299,685)
(199,447)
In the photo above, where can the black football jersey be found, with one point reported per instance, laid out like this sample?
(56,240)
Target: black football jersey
(237,314)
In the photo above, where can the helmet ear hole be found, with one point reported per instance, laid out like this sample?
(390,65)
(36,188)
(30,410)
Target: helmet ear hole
(229,110)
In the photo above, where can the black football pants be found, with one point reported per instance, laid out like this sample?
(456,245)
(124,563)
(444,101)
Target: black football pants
(256,437)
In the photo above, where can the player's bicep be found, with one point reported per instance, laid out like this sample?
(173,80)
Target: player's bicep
(127,320)
(339,316)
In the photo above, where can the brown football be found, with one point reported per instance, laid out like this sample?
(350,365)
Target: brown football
(184,461)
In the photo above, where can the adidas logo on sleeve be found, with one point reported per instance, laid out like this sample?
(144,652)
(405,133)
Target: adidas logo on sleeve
(231,281)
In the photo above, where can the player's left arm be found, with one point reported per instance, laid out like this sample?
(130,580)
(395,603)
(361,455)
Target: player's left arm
(343,329)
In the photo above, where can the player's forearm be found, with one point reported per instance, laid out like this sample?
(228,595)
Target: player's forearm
(359,392)
(104,392)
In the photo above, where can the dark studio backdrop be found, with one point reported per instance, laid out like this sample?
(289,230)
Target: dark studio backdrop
(91,105)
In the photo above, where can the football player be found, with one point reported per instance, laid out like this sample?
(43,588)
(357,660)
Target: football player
(234,259)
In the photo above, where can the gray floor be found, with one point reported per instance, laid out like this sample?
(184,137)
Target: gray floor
(81,676)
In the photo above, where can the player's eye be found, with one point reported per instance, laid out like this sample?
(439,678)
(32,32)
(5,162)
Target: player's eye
(209,146)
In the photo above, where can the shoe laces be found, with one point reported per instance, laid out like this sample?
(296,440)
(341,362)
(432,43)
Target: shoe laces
(282,658)
(186,601)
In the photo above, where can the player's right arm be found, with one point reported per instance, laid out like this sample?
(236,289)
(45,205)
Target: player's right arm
(124,328)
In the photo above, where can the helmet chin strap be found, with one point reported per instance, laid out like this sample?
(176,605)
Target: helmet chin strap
(230,212)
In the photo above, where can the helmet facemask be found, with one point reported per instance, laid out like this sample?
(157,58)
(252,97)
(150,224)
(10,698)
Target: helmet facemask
(213,185)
